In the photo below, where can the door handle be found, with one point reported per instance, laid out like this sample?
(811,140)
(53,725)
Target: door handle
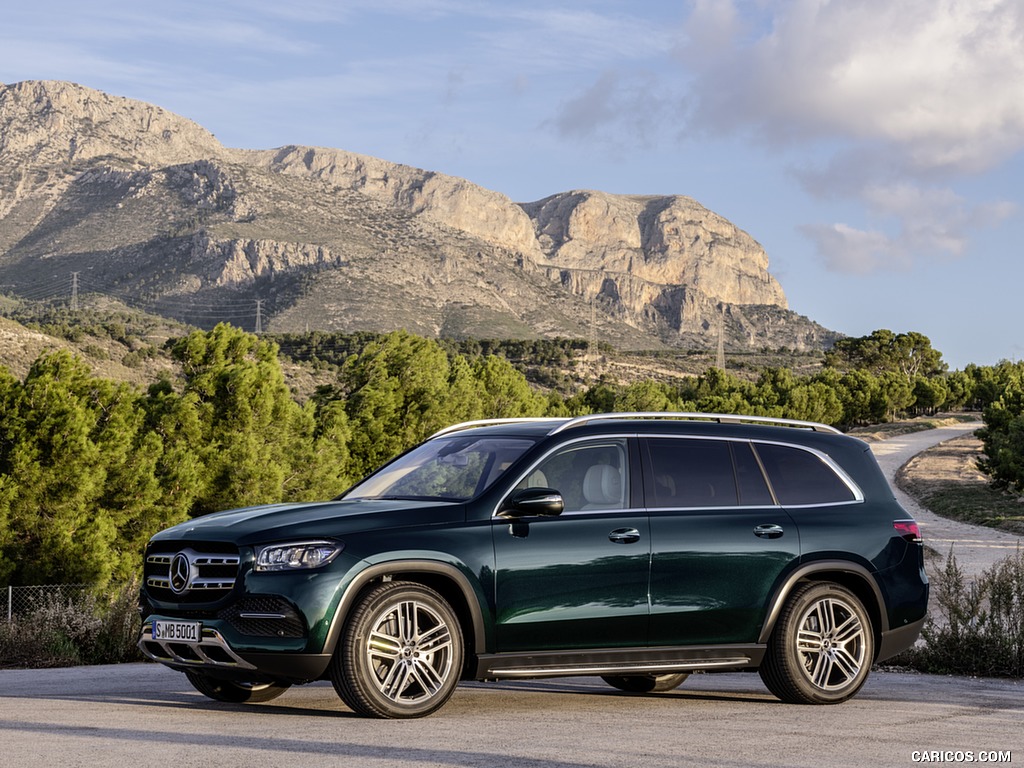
(624,536)
(768,531)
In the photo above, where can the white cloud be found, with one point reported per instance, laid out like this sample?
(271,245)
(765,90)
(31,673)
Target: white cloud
(903,98)
(942,79)
(855,251)
(927,222)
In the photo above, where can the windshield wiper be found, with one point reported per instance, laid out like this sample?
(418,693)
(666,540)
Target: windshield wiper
(414,498)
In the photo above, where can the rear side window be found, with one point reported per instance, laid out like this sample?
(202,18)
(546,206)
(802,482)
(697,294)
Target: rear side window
(690,473)
(802,477)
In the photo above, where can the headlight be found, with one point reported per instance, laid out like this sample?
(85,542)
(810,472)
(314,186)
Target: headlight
(299,555)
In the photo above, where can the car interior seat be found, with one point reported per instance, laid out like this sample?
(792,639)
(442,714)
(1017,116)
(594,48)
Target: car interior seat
(602,487)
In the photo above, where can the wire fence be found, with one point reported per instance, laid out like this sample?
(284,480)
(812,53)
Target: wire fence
(21,601)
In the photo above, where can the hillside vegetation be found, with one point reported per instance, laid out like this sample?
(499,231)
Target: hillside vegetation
(91,467)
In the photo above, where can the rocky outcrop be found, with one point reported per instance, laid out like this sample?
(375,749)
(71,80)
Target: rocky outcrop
(52,123)
(243,262)
(445,200)
(592,243)
(147,201)
(665,241)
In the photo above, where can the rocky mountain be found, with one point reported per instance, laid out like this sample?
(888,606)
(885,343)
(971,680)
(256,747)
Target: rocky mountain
(102,195)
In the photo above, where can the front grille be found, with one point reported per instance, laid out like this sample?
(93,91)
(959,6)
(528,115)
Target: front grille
(264,616)
(191,573)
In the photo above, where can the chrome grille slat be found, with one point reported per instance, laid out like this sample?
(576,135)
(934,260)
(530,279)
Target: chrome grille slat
(211,584)
(207,572)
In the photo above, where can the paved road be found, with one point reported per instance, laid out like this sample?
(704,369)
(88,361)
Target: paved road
(975,547)
(142,715)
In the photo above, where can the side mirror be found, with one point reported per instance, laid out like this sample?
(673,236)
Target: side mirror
(533,502)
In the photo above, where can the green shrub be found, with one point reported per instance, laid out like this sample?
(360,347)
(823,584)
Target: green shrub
(88,629)
(980,630)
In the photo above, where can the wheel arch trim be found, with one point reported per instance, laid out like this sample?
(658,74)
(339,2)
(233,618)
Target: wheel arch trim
(397,568)
(815,572)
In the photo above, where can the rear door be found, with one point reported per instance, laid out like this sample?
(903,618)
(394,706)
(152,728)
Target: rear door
(719,541)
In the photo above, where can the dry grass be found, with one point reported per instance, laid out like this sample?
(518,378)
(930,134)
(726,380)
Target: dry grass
(946,480)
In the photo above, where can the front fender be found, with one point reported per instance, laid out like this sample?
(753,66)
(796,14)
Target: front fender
(467,587)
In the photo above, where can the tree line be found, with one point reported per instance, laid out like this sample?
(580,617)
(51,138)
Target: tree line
(90,469)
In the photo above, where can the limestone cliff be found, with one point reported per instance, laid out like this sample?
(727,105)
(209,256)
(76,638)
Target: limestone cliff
(52,124)
(147,204)
(666,242)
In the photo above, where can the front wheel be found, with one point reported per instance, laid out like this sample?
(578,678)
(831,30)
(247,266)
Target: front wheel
(401,653)
(646,683)
(822,647)
(235,693)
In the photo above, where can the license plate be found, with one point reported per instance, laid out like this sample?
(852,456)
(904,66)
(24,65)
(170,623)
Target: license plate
(178,631)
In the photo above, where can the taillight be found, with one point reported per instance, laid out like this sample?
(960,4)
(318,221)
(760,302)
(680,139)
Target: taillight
(908,529)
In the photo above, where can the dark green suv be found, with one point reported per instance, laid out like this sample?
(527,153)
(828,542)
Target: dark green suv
(636,547)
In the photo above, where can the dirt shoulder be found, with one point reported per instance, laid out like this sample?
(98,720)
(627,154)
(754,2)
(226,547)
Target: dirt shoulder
(946,480)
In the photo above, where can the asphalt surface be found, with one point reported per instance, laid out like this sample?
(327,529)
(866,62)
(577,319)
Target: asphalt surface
(975,547)
(147,715)
(143,715)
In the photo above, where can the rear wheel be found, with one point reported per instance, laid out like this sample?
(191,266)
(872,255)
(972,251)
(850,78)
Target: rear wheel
(646,683)
(401,653)
(236,693)
(822,647)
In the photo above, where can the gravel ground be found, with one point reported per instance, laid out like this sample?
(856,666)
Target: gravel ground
(976,547)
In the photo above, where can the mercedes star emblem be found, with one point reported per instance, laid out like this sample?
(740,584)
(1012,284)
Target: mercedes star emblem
(181,573)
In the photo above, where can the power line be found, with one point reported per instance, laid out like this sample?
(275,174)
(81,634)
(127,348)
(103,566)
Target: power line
(239,311)
(720,356)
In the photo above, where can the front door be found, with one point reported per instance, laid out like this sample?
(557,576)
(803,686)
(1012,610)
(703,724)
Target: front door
(578,580)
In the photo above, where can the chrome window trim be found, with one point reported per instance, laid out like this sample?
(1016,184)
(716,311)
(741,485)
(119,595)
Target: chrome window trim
(825,504)
(844,477)
(858,494)
(718,507)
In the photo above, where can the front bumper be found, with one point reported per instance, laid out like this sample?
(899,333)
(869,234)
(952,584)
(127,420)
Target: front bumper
(213,655)
(212,650)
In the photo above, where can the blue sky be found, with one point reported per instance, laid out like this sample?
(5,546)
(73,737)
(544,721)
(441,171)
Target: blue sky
(873,147)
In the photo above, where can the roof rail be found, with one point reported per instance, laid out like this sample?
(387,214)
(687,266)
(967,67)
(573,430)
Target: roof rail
(561,424)
(719,417)
(491,422)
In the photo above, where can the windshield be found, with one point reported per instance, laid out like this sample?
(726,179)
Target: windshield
(446,469)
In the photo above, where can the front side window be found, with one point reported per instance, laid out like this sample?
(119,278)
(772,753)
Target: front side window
(455,468)
(589,476)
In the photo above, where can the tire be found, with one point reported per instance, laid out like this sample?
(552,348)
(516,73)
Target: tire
(235,693)
(822,646)
(401,653)
(646,683)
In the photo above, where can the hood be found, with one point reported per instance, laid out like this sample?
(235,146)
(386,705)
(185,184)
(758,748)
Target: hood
(314,520)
